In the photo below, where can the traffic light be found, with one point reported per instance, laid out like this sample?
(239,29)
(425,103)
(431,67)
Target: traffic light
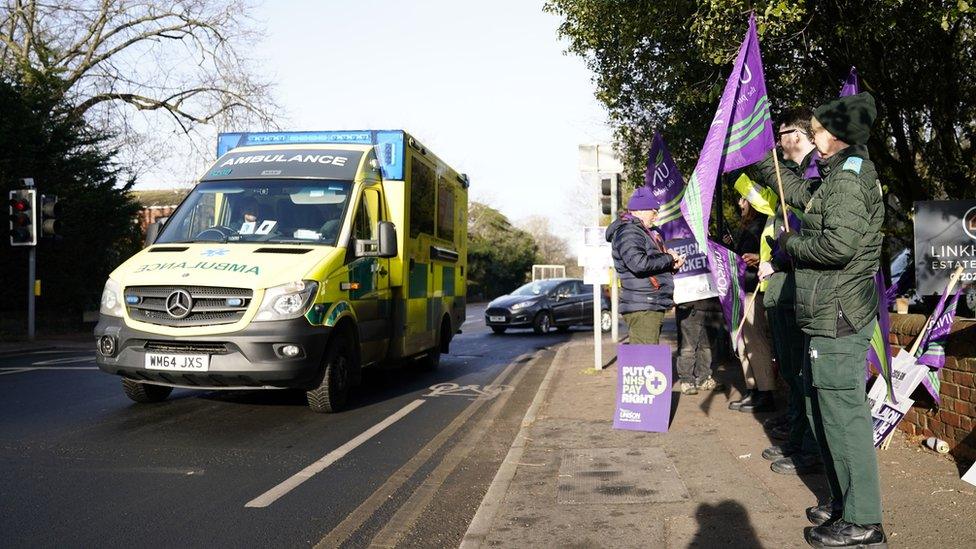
(50,212)
(23,217)
(609,193)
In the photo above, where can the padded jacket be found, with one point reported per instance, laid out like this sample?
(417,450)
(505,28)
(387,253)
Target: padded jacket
(838,250)
(644,269)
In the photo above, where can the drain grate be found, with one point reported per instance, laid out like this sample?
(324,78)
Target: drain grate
(618,475)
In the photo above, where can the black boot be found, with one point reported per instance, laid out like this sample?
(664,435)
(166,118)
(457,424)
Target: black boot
(779,451)
(822,514)
(845,534)
(759,401)
(798,464)
(736,404)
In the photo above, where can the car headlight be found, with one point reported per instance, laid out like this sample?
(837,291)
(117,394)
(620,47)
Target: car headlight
(287,301)
(111,304)
(522,305)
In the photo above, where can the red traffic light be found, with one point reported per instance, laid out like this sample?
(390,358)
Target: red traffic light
(19,205)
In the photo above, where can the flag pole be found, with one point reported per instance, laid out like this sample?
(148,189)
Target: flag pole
(782,196)
(738,331)
(953,279)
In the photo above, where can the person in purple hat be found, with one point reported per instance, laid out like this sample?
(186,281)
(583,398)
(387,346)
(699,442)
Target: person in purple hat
(645,267)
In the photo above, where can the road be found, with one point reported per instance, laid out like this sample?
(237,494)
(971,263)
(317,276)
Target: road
(406,465)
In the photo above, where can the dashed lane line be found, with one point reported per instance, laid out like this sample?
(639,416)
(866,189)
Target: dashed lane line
(300,477)
(354,521)
(410,512)
(481,524)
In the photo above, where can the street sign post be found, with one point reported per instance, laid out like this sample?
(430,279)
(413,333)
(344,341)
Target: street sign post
(597,263)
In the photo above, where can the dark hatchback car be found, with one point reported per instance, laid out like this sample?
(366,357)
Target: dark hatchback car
(544,304)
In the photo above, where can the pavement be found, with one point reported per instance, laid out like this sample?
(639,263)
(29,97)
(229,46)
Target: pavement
(570,480)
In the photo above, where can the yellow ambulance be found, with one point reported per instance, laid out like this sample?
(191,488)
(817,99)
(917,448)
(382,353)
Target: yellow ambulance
(297,260)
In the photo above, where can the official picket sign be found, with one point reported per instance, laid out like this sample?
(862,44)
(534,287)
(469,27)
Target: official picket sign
(945,238)
(643,388)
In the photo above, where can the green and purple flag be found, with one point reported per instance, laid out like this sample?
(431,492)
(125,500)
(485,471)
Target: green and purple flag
(852,85)
(665,181)
(741,133)
(728,272)
(931,352)
(879,350)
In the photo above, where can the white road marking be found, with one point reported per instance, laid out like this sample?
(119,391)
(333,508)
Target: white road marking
(66,360)
(298,478)
(43,368)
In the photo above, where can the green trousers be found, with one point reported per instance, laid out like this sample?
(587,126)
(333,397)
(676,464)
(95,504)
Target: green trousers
(789,344)
(644,326)
(841,420)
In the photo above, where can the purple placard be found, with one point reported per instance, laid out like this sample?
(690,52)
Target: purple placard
(643,388)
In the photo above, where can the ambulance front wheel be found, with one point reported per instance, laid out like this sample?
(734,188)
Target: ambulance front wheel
(145,392)
(332,392)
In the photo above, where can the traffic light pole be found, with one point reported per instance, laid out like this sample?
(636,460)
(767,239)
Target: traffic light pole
(614,293)
(31,276)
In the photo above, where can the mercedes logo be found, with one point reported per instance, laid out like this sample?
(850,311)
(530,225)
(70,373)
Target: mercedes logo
(179,303)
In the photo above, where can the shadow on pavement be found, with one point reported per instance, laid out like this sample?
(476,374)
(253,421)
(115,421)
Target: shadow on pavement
(725,524)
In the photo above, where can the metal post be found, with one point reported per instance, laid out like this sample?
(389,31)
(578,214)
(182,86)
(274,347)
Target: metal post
(597,330)
(614,295)
(31,263)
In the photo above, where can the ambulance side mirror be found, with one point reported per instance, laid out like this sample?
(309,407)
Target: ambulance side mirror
(388,239)
(384,246)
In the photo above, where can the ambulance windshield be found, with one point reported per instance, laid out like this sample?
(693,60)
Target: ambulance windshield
(267,210)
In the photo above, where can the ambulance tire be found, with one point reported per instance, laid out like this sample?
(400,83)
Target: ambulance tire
(542,323)
(145,392)
(432,360)
(332,392)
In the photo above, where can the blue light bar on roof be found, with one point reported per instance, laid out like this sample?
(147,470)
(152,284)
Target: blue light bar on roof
(388,144)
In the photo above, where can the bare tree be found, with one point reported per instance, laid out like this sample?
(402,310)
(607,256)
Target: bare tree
(183,59)
(553,249)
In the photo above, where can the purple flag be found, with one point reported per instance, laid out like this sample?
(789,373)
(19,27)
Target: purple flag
(879,350)
(665,181)
(932,350)
(729,271)
(852,85)
(740,134)
(643,388)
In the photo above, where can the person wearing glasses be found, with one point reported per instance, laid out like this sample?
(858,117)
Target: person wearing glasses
(799,454)
(835,256)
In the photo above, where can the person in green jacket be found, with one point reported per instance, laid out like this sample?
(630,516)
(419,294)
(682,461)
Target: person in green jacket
(835,256)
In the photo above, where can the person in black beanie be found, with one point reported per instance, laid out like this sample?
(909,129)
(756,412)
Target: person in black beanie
(836,255)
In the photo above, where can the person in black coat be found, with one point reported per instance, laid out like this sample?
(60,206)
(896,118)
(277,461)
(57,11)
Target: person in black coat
(645,267)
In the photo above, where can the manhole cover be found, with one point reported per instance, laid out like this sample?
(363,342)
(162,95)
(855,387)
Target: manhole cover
(618,475)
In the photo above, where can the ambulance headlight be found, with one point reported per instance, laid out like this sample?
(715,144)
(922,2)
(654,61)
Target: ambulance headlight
(111,299)
(287,301)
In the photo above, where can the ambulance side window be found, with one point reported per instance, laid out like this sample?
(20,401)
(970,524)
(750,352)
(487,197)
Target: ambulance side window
(368,216)
(423,187)
(445,209)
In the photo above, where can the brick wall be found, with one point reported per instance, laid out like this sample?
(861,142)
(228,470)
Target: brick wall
(150,214)
(954,421)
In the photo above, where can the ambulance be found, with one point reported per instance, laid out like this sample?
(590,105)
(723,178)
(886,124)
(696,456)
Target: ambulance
(298,260)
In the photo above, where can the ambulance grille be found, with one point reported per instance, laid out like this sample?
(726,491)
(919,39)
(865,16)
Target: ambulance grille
(209,305)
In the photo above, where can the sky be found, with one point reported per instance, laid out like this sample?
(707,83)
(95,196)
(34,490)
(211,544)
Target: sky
(484,85)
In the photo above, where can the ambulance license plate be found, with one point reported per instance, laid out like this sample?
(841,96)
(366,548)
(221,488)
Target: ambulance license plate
(177,363)
(496,318)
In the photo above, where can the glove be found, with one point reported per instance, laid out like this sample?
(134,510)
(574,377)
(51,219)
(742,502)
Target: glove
(784,237)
